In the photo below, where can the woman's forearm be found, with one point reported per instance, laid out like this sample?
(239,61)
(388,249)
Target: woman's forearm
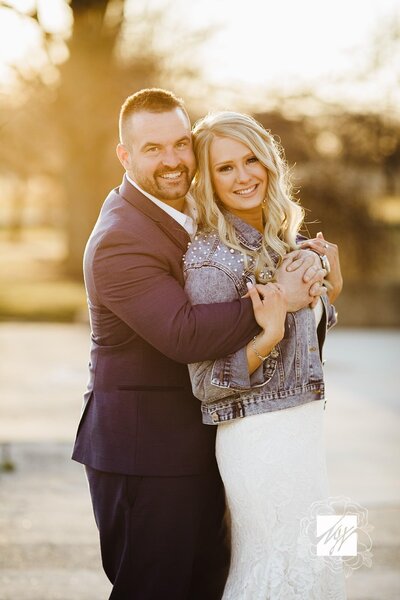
(259,348)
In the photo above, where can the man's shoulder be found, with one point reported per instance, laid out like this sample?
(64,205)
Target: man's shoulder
(119,225)
(119,214)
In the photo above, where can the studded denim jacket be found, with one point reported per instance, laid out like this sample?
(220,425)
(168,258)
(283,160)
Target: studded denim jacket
(292,373)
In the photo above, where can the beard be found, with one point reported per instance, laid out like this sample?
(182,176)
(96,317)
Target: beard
(166,189)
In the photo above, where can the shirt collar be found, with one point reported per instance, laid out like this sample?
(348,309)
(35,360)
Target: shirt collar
(186,219)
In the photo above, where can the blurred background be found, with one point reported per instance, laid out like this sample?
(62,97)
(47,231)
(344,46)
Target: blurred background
(325,79)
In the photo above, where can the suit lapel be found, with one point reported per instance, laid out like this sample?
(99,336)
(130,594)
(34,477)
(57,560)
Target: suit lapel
(168,225)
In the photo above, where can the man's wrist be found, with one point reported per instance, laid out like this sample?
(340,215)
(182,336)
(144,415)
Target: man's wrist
(324,260)
(325,263)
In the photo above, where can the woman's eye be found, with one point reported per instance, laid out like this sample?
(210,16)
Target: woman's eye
(252,159)
(225,168)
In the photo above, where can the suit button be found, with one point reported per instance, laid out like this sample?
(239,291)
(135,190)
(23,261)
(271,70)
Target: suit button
(312,349)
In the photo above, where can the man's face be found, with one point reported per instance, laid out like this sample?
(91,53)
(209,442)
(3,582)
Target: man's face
(158,153)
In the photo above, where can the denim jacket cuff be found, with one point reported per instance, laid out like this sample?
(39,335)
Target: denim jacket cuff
(232,372)
(332,316)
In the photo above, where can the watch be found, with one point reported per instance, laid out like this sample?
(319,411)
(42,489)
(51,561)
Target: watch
(325,263)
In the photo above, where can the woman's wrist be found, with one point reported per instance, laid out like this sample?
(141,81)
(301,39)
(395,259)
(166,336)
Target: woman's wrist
(263,343)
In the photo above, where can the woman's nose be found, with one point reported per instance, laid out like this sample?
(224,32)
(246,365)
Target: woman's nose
(242,175)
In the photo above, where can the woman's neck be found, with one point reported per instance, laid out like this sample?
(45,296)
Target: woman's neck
(251,216)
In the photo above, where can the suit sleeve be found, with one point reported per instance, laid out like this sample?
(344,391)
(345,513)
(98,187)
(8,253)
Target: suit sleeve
(135,282)
(214,380)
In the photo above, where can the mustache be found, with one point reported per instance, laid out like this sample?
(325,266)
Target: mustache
(174,170)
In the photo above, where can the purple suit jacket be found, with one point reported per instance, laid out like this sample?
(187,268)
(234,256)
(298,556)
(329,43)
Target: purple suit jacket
(140,416)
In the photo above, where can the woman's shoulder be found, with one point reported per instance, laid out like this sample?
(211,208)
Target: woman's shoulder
(207,246)
(202,246)
(209,258)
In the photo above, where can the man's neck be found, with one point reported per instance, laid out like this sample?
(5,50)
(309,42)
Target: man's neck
(178,204)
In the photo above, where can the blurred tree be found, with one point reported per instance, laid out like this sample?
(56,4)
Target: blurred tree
(112,52)
(28,146)
(339,164)
(85,112)
(371,140)
(93,84)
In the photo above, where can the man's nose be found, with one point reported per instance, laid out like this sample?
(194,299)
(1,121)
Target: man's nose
(170,158)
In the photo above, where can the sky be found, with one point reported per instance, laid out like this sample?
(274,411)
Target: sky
(257,43)
(262,44)
(292,44)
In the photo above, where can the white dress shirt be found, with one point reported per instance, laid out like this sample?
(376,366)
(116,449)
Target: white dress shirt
(186,219)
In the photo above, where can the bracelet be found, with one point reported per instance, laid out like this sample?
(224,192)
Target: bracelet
(256,352)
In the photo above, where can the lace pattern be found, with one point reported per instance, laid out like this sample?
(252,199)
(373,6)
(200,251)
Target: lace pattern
(273,468)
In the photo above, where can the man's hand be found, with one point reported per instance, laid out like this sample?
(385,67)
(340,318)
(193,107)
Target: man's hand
(301,275)
(331,251)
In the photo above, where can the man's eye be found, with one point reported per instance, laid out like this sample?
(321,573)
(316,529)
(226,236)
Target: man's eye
(152,149)
(182,144)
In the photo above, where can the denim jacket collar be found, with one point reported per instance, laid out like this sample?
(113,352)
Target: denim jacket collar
(246,234)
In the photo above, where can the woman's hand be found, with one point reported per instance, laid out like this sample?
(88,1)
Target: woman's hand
(270,308)
(331,251)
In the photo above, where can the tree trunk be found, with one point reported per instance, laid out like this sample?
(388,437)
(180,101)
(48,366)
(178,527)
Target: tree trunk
(87,110)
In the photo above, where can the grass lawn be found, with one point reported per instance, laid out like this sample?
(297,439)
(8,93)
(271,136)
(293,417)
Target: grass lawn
(43,301)
(33,286)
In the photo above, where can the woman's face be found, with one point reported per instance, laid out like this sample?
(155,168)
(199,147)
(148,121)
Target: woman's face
(239,179)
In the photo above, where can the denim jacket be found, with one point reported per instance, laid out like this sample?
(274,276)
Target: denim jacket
(292,373)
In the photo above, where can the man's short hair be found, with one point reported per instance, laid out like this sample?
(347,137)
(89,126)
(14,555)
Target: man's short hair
(150,100)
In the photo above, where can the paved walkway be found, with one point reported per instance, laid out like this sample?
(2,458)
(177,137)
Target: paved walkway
(48,539)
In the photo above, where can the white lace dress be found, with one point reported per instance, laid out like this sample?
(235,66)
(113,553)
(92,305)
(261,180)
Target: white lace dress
(273,468)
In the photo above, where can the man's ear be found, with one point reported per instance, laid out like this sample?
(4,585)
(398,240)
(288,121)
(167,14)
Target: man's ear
(124,156)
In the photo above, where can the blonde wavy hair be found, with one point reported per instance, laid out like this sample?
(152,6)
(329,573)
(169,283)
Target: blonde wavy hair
(283,216)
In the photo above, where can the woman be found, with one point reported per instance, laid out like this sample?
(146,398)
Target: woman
(270,412)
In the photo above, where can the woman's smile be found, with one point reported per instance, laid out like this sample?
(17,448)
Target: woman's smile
(247,191)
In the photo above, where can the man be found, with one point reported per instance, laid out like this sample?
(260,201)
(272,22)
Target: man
(156,493)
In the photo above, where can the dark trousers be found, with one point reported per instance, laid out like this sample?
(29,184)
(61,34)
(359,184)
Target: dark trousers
(162,538)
